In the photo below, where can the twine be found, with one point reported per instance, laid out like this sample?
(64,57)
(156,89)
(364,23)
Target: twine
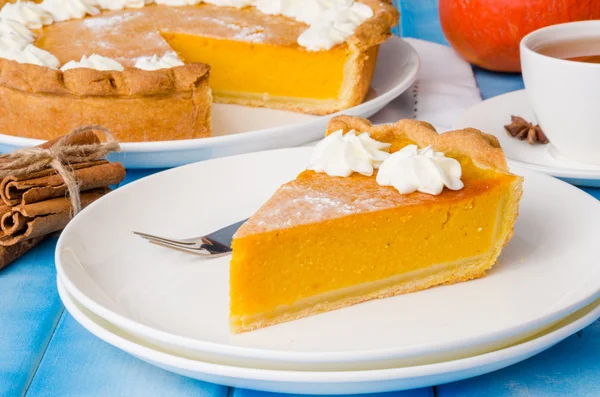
(60,156)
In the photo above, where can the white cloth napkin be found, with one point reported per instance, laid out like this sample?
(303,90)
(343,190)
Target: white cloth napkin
(444,89)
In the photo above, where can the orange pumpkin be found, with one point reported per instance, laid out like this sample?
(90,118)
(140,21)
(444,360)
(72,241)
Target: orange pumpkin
(487,32)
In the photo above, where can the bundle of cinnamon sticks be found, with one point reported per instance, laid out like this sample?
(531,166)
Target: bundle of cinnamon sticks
(36,204)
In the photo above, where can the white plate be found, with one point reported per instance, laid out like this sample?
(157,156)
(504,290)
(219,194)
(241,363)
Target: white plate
(493,114)
(240,129)
(549,269)
(351,382)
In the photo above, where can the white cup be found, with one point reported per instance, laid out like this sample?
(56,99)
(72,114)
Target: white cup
(564,95)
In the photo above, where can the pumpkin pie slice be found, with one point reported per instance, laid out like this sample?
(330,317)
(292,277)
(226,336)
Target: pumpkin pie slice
(323,243)
(254,58)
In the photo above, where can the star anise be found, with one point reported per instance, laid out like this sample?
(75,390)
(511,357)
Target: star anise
(522,129)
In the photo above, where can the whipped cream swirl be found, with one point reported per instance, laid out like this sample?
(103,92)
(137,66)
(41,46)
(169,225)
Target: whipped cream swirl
(343,154)
(334,26)
(94,61)
(15,33)
(64,10)
(9,44)
(31,54)
(169,60)
(27,13)
(114,5)
(412,169)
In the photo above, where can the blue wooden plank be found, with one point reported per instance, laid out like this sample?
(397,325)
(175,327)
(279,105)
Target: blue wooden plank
(493,83)
(571,368)
(77,363)
(133,175)
(426,392)
(29,312)
(593,191)
(420,20)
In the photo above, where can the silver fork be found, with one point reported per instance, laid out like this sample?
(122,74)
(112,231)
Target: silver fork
(212,245)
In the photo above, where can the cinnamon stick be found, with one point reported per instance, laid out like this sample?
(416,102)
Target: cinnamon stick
(16,190)
(4,209)
(13,252)
(82,138)
(11,223)
(29,221)
(35,203)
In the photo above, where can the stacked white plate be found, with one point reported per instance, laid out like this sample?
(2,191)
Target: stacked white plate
(171,309)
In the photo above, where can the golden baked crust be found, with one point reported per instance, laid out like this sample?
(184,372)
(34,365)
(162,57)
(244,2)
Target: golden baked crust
(376,29)
(482,148)
(136,105)
(85,82)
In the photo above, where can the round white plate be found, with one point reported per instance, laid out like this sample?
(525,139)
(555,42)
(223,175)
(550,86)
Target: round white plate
(549,269)
(493,114)
(240,129)
(350,382)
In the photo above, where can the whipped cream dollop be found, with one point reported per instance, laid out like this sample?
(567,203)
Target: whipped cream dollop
(15,33)
(343,154)
(64,10)
(27,13)
(31,54)
(412,169)
(9,44)
(114,5)
(94,61)
(169,60)
(334,26)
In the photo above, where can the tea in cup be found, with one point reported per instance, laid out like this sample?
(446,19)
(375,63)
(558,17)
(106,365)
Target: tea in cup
(561,72)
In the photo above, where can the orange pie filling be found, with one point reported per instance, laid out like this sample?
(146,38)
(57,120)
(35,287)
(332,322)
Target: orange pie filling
(241,68)
(322,243)
(382,248)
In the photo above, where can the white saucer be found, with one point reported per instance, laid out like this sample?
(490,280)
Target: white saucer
(493,114)
(349,382)
(240,129)
(180,301)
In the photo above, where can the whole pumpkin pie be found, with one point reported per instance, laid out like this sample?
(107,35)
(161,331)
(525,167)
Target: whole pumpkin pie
(273,53)
(325,242)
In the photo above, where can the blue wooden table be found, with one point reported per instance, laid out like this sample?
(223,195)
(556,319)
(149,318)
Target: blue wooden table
(44,352)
